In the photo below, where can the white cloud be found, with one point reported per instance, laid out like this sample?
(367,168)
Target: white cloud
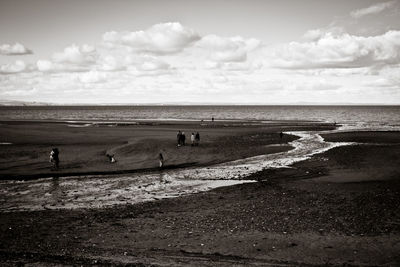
(316,34)
(152,64)
(15,49)
(74,54)
(161,38)
(313,35)
(374,9)
(72,59)
(233,49)
(17,66)
(328,64)
(44,65)
(338,51)
(110,63)
(50,66)
(92,76)
(391,76)
(21,92)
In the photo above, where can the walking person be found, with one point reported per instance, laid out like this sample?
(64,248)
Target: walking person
(197,139)
(161,160)
(179,138)
(192,139)
(183,138)
(54,158)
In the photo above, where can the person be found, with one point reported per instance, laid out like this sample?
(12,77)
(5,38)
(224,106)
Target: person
(111,158)
(281,135)
(54,158)
(192,138)
(183,139)
(197,139)
(212,119)
(161,159)
(179,138)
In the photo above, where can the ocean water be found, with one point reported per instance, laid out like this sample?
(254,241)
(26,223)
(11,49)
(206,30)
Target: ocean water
(352,116)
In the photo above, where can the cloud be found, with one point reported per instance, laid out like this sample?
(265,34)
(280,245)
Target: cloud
(16,67)
(74,54)
(163,38)
(50,66)
(153,64)
(20,92)
(92,76)
(316,34)
(390,76)
(337,51)
(110,63)
(72,59)
(180,65)
(374,9)
(233,49)
(13,50)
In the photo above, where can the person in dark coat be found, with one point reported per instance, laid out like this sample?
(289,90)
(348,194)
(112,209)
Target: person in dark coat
(183,139)
(161,159)
(197,139)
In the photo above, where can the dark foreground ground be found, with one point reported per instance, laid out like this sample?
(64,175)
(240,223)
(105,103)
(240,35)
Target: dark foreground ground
(338,208)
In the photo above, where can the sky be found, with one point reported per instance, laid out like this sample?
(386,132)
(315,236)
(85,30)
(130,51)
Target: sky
(239,52)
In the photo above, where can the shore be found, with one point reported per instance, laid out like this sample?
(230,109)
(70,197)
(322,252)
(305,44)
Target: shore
(83,145)
(337,208)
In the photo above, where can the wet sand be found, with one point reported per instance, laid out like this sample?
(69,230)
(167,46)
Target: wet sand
(136,146)
(337,208)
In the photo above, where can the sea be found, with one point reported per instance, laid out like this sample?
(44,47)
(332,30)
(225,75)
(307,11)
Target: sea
(99,191)
(363,117)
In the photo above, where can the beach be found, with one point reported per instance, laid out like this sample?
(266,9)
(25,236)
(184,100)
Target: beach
(188,133)
(83,145)
(339,207)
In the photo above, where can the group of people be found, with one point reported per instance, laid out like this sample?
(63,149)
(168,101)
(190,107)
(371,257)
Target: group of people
(55,159)
(181,139)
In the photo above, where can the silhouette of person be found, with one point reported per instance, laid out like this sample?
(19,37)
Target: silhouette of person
(54,158)
(197,139)
(179,138)
(192,139)
(161,159)
(183,138)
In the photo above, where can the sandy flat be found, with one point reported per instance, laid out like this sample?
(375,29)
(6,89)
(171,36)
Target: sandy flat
(315,213)
(136,146)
